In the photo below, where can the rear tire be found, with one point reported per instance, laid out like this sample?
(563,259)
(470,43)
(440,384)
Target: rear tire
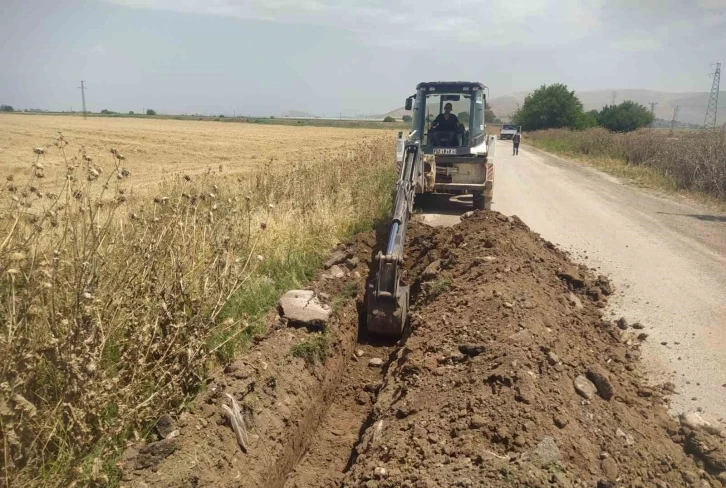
(479,201)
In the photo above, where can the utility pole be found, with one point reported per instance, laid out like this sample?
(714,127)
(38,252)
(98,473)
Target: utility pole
(614,95)
(675,117)
(709,121)
(234,113)
(83,98)
(652,111)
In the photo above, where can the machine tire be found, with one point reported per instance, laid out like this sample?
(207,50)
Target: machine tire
(480,203)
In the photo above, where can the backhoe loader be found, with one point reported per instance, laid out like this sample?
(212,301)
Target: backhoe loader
(431,160)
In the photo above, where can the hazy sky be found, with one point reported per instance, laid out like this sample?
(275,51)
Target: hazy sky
(356,57)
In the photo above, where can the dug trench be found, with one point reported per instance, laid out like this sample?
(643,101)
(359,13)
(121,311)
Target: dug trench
(509,376)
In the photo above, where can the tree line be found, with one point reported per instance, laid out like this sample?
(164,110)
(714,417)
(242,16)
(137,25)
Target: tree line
(555,107)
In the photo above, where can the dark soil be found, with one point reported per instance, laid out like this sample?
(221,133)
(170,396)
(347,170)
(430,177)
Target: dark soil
(480,392)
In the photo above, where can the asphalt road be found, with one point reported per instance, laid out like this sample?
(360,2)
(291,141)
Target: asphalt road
(666,258)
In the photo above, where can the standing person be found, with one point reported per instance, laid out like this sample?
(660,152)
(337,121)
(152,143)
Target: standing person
(515,143)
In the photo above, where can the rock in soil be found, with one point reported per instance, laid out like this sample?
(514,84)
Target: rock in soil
(575,301)
(432,270)
(585,387)
(302,307)
(694,421)
(336,271)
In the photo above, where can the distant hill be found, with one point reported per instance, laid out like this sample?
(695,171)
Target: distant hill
(692,106)
(297,113)
(398,113)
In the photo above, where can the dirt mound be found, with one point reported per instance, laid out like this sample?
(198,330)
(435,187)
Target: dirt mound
(508,376)
(511,378)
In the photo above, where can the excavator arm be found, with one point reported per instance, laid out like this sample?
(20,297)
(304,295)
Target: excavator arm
(388,298)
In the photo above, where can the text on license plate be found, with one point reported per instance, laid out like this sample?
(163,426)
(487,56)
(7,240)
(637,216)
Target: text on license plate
(445,151)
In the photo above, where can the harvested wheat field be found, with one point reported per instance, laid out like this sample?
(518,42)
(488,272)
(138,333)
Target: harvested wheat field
(156,148)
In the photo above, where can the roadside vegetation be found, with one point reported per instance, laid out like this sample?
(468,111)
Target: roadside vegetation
(556,107)
(115,308)
(689,160)
(615,140)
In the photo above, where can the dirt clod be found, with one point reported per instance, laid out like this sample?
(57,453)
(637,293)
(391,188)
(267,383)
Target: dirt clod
(601,380)
(336,257)
(471,350)
(165,426)
(609,468)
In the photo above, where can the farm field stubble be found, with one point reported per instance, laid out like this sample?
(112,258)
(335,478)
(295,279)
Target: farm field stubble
(155,149)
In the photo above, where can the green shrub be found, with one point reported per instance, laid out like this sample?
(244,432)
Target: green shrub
(625,117)
(549,107)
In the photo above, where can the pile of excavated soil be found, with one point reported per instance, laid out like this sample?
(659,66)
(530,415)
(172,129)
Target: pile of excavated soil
(508,376)
(484,392)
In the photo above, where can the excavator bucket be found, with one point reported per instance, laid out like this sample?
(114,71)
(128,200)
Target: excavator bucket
(387,316)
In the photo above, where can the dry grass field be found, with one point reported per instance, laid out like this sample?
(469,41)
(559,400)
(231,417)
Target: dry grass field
(690,161)
(154,149)
(115,308)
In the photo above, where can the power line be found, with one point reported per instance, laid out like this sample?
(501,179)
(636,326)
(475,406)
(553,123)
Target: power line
(709,121)
(675,117)
(652,111)
(83,97)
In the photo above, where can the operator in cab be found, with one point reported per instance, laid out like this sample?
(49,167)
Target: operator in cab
(446,121)
(445,127)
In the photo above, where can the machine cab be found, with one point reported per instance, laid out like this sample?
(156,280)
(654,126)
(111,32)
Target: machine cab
(448,117)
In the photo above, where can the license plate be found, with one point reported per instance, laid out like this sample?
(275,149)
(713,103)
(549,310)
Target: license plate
(445,151)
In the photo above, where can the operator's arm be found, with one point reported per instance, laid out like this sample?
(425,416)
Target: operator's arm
(436,122)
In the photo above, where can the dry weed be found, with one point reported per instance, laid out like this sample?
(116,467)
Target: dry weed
(113,310)
(692,160)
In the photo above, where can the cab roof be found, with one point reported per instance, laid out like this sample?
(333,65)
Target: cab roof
(450,85)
